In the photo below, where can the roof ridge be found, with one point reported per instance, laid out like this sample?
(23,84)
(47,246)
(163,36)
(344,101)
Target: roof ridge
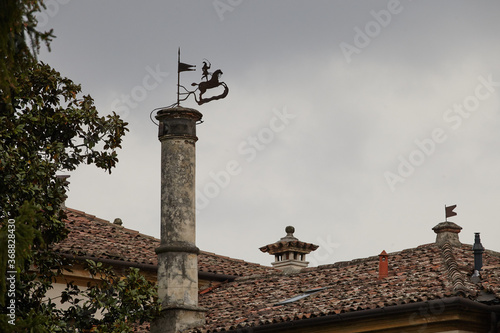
(231,258)
(81,212)
(492,252)
(102,239)
(345,263)
(454,274)
(93,217)
(393,253)
(98,219)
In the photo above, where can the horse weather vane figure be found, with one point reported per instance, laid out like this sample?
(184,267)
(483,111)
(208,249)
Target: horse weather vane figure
(209,81)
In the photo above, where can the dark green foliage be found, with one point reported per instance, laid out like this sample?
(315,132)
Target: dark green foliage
(47,126)
(120,301)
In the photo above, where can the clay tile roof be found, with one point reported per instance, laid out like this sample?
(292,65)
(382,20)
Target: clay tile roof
(424,273)
(93,237)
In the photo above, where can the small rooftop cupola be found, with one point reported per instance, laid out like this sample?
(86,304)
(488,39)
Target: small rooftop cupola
(447,232)
(289,252)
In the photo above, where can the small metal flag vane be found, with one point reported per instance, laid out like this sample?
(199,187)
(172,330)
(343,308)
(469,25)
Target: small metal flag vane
(210,80)
(449,211)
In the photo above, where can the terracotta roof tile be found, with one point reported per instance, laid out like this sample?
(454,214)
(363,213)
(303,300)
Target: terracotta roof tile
(420,274)
(94,237)
(424,273)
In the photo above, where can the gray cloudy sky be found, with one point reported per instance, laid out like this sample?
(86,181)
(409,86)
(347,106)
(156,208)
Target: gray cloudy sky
(354,121)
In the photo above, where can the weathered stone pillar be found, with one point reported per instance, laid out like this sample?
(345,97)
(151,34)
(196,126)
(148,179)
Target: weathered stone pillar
(447,232)
(178,254)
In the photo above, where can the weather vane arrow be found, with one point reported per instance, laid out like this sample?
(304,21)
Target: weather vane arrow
(209,81)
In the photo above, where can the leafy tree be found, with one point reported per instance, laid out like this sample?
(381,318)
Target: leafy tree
(46,126)
(120,302)
(17,28)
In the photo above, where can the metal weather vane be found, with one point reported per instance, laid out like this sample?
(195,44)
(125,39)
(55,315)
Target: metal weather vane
(209,80)
(448,211)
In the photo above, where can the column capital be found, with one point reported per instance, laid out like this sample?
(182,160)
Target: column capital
(177,122)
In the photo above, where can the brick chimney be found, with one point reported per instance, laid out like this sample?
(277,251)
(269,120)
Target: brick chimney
(178,254)
(447,232)
(289,252)
(383,265)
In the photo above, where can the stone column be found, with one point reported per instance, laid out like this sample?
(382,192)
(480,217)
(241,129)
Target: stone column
(178,254)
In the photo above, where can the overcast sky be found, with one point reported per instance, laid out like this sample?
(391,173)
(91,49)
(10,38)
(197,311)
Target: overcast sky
(354,121)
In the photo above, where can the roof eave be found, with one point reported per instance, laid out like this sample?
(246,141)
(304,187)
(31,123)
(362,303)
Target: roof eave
(148,267)
(418,308)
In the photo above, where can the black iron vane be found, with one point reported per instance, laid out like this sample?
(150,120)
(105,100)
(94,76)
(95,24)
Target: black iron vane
(209,80)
